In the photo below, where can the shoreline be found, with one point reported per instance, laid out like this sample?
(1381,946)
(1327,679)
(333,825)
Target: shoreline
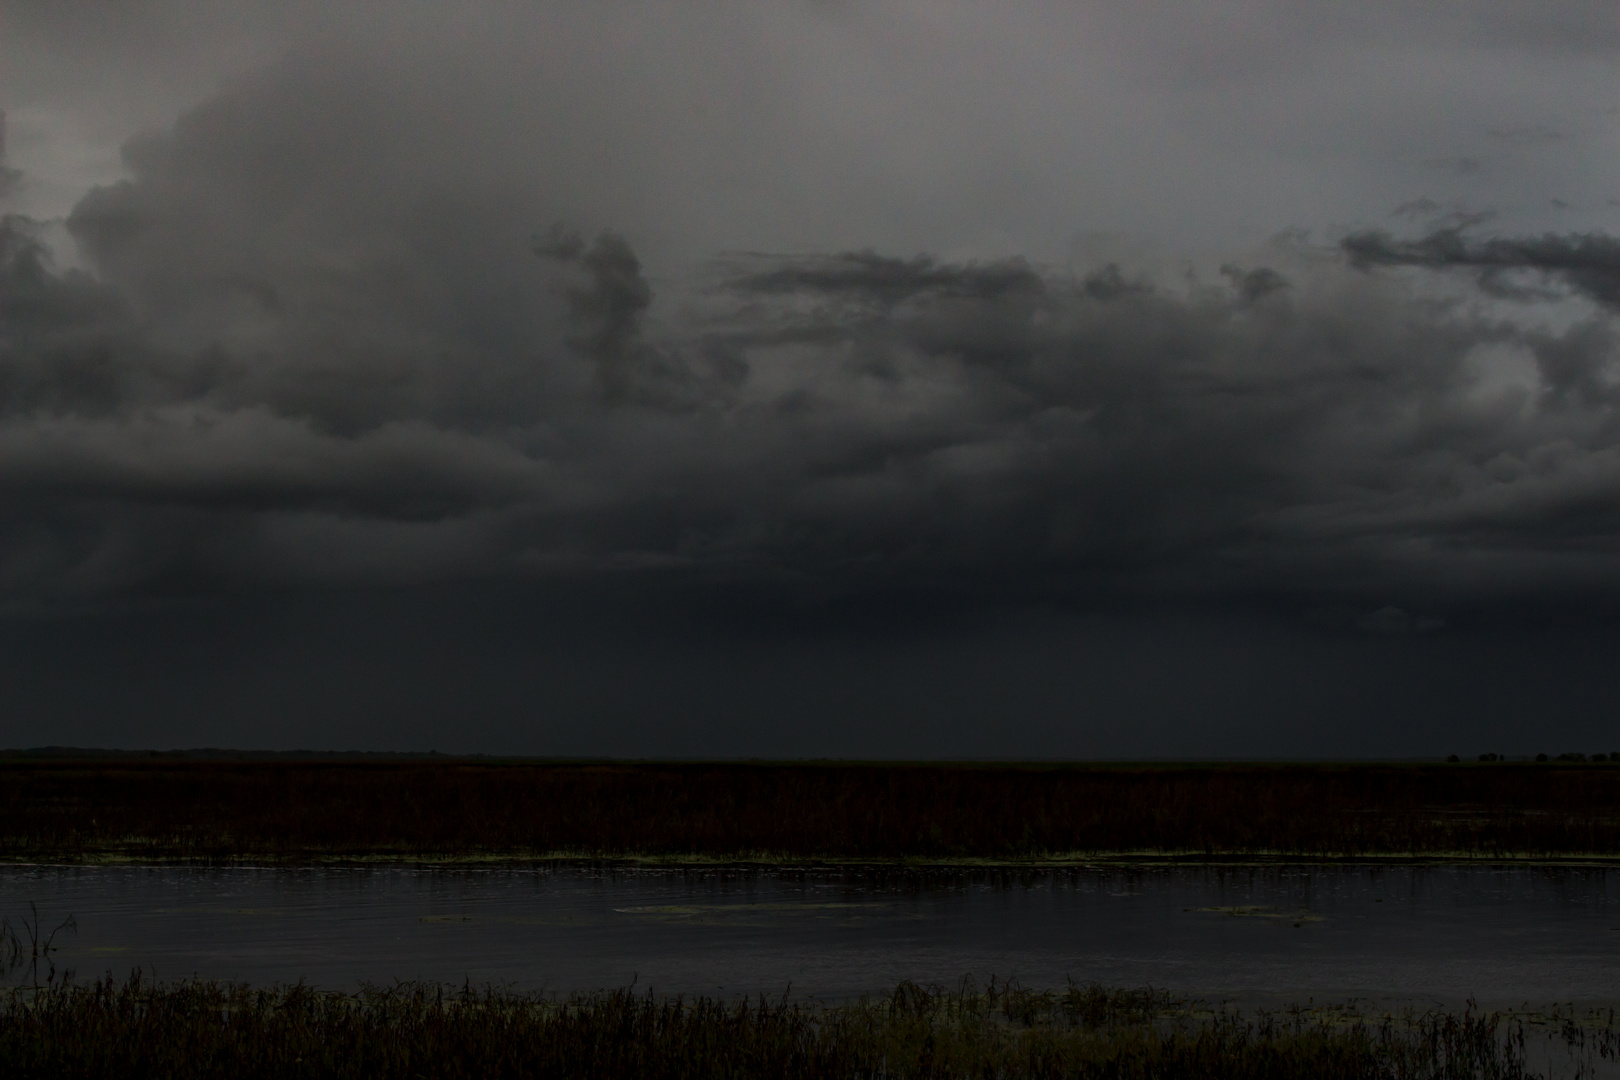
(572,861)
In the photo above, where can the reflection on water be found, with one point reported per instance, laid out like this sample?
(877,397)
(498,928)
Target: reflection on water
(1503,936)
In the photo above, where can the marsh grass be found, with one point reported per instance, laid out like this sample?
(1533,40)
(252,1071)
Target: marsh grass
(205,1029)
(33,948)
(211,810)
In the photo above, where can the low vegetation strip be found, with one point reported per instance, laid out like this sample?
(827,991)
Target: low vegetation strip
(202,1029)
(221,810)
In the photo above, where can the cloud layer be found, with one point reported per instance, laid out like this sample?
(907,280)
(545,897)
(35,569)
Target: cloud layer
(309,346)
(882,379)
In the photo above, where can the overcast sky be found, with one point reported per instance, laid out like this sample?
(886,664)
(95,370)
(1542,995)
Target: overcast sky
(880,379)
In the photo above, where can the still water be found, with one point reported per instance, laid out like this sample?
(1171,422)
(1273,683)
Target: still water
(1503,936)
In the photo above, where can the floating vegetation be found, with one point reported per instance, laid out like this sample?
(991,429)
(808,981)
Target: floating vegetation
(289,811)
(204,1029)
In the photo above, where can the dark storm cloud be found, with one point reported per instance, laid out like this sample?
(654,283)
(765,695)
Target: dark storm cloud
(1325,437)
(983,429)
(607,309)
(314,432)
(1590,262)
(311,346)
(889,280)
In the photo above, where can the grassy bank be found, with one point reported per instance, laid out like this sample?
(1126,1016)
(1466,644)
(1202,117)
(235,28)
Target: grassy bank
(195,1029)
(280,810)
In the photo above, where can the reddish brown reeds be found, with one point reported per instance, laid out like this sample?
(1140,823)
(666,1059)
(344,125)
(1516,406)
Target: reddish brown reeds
(213,809)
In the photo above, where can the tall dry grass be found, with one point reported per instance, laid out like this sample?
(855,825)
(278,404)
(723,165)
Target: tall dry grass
(197,1029)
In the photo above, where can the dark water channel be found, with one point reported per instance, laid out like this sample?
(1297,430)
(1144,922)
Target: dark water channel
(1504,936)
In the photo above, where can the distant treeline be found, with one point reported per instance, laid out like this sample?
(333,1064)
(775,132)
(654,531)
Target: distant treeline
(198,1029)
(169,809)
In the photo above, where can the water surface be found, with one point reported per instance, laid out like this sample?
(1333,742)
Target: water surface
(1501,935)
